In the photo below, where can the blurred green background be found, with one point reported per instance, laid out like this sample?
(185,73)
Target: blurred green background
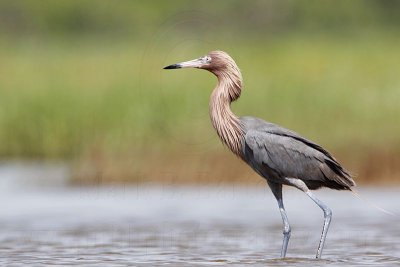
(82,82)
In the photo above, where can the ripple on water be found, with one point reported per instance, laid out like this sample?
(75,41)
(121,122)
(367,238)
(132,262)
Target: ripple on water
(237,229)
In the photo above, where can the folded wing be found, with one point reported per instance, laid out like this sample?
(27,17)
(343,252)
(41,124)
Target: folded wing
(275,152)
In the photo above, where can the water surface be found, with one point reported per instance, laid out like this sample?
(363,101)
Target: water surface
(192,226)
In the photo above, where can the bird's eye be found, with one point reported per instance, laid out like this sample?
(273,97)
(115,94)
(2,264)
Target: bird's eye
(206,59)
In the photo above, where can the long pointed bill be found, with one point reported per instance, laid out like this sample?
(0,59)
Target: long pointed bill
(195,63)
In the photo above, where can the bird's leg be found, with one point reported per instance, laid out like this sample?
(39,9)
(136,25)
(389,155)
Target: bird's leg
(327,211)
(277,191)
(327,221)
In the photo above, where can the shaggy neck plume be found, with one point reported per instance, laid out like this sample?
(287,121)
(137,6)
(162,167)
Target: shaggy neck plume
(227,125)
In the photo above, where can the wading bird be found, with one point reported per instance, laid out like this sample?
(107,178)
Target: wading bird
(279,155)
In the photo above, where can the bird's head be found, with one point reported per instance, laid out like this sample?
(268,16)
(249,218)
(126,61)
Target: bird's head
(215,62)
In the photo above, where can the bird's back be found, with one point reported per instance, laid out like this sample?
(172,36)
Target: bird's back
(276,153)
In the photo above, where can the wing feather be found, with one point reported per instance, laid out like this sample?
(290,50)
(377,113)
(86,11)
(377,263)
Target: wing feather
(275,152)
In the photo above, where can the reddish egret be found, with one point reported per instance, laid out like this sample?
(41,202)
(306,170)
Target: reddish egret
(279,155)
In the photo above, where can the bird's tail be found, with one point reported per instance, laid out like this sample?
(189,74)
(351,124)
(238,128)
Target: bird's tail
(371,204)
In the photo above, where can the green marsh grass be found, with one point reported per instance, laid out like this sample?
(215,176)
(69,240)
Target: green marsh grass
(110,105)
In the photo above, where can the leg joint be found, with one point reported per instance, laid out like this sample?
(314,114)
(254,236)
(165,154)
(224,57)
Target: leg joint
(286,229)
(327,212)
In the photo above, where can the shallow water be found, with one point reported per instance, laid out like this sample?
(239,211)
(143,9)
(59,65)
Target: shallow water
(192,226)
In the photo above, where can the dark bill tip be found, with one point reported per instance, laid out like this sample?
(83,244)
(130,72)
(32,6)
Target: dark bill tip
(173,66)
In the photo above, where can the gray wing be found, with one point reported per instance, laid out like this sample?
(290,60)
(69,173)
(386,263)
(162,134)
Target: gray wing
(275,152)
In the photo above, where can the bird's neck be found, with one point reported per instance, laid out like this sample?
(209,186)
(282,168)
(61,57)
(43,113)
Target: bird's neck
(227,124)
